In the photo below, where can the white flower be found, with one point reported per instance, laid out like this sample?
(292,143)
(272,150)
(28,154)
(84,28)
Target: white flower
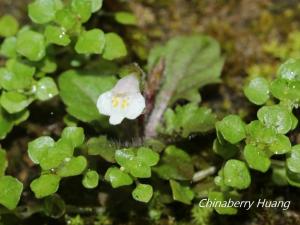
(124,100)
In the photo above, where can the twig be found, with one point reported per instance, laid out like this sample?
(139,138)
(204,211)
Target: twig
(200,175)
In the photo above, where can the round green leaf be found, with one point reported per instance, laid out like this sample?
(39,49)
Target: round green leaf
(10,191)
(232,128)
(92,41)
(16,76)
(72,167)
(293,160)
(226,150)
(114,47)
(45,185)
(258,133)
(147,156)
(286,89)
(289,70)
(38,148)
(14,102)
(46,88)
(181,193)
(90,179)
(54,156)
(257,90)
(3,162)
(54,206)
(275,117)
(216,196)
(236,174)
(139,169)
(8,26)
(83,9)
(125,157)
(256,158)
(125,18)
(96,5)
(65,18)
(117,178)
(280,145)
(8,47)
(31,44)
(142,193)
(43,11)
(57,35)
(74,134)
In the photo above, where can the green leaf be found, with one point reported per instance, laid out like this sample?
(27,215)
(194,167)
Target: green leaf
(191,62)
(216,196)
(45,185)
(46,89)
(96,5)
(175,164)
(232,128)
(256,158)
(126,18)
(53,157)
(147,156)
(114,47)
(279,176)
(81,91)
(236,174)
(31,44)
(257,133)
(181,193)
(280,145)
(57,35)
(74,134)
(293,178)
(135,165)
(65,18)
(257,90)
(3,162)
(7,121)
(293,160)
(16,76)
(39,148)
(43,11)
(117,178)
(8,26)
(10,191)
(83,9)
(90,179)
(289,70)
(275,117)
(101,146)
(72,167)
(226,150)
(286,90)
(91,42)
(14,102)
(188,119)
(54,206)
(142,193)
(125,157)
(8,47)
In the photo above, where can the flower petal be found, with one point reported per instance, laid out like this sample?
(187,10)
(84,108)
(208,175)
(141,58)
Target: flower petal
(128,85)
(115,119)
(136,106)
(104,103)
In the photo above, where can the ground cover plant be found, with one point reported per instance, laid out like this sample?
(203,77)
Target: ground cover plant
(96,130)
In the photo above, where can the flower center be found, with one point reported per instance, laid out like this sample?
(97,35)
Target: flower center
(119,101)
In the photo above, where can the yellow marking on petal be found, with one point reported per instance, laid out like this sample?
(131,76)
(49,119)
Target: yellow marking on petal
(124,103)
(115,101)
